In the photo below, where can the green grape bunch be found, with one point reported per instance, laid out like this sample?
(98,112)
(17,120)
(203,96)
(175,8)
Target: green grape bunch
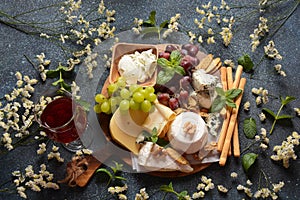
(135,97)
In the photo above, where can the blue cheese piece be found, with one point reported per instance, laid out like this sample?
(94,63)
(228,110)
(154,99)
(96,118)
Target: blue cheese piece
(213,123)
(203,81)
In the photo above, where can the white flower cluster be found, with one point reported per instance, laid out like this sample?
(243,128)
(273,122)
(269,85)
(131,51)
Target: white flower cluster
(55,154)
(210,13)
(263,139)
(261,95)
(297,110)
(12,123)
(143,195)
(285,151)
(247,106)
(119,191)
(222,189)
(33,181)
(271,51)
(42,64)
(172,26)
(258,33)
(138,25)
(205,185)
(267,193)
(279,70)
(84,152)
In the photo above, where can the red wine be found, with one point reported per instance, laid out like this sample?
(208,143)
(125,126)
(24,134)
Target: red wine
(64,126)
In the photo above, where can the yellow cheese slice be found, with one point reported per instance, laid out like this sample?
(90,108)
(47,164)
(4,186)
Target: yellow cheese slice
(125,127)
(122,137)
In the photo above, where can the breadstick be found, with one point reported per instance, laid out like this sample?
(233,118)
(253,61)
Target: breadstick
(235,141)
(222,136)
(235,137)
(231,126)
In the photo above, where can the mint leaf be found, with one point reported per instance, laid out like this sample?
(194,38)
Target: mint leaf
(270,112)
(167,188)
(220,91)
(246,62)
(164,76)
(152,19)
(218,104)
(175,58)
(164,62)
(284,117)
(249,128)
(287,100)
(179,70)
(248,160)
(233,93)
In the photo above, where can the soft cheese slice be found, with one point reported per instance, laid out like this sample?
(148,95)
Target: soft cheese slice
(156,158)
(159,118)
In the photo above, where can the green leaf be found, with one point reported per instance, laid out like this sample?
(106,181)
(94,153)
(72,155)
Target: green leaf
(284,117)
(66,86)
(270,112)
(105,171)
(84,104)
(175,58)
(57,82)
(218,104)
(179,70)
(164,62)
(248,160)
(52,73)
(182,195)
(220,91)
(164,24)
(246,62)
(167,188)
(233,93)
(287,100)
(230,103)
(250,128)
(164,76)
(152,19)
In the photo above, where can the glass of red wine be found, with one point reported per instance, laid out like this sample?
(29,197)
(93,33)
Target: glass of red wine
(62,118)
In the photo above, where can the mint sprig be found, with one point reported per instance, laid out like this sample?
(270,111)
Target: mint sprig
(277,116)
(224,98)
(169,67)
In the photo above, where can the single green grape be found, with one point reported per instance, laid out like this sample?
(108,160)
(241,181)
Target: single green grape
(97,108)
(105,107)
(151,97)
(121,82)
(146,106)
(124,93)
(134,105)
(150,89)
(112,88)
(134,87)
(124,105)
(100,98)
(114,101)
(138,97)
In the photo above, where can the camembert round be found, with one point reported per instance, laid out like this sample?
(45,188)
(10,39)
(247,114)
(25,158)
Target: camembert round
(188,133)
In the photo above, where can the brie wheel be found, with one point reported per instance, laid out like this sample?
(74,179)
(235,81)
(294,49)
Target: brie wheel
(188,133)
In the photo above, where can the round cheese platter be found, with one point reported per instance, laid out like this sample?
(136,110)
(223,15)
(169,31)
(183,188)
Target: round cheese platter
(177,135)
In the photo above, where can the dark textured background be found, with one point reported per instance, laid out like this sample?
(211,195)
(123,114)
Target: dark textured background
(15,44)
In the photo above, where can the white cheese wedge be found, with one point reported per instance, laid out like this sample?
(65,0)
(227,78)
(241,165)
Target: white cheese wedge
(184,141)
